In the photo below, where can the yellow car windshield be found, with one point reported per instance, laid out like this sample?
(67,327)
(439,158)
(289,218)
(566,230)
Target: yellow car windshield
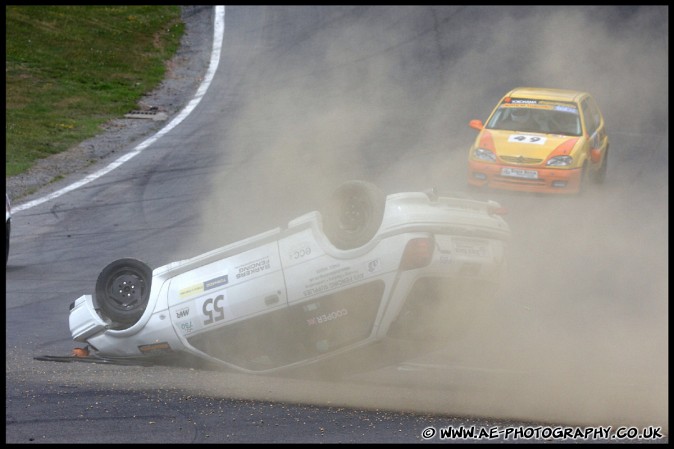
(550,120)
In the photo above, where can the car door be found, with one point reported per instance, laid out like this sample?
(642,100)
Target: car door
(595,130)
(334,298)
(232,289)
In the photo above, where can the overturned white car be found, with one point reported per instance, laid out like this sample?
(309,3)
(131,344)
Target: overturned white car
(333,280)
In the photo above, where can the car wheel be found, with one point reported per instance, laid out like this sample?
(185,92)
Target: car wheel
(123,290)
(353,214)
(600,176)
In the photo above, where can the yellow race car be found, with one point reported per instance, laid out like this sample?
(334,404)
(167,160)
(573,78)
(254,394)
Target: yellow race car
(540,140)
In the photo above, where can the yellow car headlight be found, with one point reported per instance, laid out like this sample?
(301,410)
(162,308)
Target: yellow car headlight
(484,155)
(560,161)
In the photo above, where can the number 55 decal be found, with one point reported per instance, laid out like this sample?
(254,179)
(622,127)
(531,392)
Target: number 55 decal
(213,310)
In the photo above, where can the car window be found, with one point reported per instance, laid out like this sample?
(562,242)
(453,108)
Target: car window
(551,119)
(594,111)
(591,115)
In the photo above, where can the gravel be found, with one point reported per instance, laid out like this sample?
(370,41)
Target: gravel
(183,76)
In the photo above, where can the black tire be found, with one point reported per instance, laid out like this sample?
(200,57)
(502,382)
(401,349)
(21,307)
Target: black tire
(123,290)
(353,214)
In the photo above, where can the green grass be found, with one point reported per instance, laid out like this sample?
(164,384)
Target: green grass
(70,69)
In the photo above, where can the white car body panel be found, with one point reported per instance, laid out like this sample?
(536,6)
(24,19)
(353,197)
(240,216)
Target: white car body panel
(296,273)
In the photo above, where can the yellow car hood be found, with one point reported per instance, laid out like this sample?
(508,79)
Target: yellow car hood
(531,145)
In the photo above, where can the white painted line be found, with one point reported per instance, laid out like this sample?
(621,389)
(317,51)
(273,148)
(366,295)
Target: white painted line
(218,34)
(410,366)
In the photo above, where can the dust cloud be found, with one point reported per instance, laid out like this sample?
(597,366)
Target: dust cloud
(578,332)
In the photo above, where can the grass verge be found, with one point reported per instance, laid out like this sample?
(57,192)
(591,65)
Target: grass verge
(70,69)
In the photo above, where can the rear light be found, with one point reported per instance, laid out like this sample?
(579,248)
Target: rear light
(418,253)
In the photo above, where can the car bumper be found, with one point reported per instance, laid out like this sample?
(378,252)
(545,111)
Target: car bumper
(547,180)
(83,319)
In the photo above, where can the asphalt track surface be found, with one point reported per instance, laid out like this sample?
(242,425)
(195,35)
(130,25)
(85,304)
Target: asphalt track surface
(304,98)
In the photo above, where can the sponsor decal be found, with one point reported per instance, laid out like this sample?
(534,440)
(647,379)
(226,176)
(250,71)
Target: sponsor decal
(193,290)
(539,104)
(373,265)
(528,106)
(326,317)
(330,278)
(156,348)
(521,101)
(211,284)
(253,268)
(299,251)
(565,108)
(523,138)
(206,285)
(182,313)
(186,327)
